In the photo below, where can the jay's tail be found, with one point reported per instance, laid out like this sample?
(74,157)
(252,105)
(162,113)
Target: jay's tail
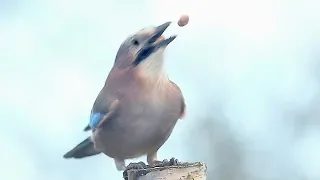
(84,149)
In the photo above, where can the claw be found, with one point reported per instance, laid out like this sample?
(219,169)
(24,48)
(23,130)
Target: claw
(139,165)
(165,162)
(174,162)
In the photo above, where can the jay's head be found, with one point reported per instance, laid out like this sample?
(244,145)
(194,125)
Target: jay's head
(144,50)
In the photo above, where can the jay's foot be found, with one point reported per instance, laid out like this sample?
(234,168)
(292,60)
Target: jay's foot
(164,163)
(139,165)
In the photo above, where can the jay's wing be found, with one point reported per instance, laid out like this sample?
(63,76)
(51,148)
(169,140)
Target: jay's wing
(103,109)
(87,128)
(183,104)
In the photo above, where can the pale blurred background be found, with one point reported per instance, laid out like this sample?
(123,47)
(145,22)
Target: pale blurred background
(248,70)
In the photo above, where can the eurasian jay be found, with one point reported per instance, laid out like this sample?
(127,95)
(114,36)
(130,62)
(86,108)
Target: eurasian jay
(138,107)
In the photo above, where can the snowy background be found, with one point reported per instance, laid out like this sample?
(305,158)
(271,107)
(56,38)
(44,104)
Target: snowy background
(248,70)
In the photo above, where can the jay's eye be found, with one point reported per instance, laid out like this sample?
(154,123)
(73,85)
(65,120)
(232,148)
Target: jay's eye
(135,42)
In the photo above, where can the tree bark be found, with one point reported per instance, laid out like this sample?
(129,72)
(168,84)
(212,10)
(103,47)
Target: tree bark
(185,171)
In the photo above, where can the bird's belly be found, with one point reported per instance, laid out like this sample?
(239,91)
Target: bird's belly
(137,134)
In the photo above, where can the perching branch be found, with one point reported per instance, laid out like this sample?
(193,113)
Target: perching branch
(184,171)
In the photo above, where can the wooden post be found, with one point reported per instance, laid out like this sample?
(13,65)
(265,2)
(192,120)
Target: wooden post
(185,171)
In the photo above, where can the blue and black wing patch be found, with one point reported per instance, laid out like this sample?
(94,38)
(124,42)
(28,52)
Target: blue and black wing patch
(96,118)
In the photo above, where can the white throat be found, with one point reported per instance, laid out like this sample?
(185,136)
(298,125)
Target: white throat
(152,67)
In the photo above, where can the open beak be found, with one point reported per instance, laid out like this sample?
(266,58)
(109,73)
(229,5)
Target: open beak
(154,42)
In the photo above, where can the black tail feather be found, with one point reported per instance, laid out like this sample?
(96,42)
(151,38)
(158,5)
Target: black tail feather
(84,149)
